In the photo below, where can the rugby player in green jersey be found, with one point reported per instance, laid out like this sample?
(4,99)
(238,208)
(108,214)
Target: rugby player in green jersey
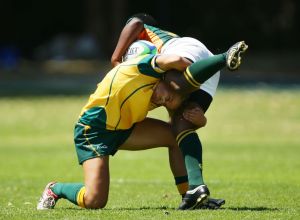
(191,114)
(114,118)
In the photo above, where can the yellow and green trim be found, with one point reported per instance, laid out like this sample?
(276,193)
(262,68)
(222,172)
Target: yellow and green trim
(86,128)
(189,77)
(80,197)
(183,134)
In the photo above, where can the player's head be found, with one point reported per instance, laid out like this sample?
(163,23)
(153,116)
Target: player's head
(166,95)
(146,18)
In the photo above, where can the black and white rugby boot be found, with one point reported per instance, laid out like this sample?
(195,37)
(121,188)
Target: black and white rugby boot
(194,198)
(233,57)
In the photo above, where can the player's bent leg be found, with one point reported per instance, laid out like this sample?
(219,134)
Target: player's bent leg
(191,148)
(152,133)
(96,179)
(54,191)
(93,194)
(200,71)
(190,145)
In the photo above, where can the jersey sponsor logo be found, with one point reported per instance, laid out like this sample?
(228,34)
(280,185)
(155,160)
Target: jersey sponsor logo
(96,146)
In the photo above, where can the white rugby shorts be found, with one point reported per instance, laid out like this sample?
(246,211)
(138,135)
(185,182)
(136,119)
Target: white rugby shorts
(194,50)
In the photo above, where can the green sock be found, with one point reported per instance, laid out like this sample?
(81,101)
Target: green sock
(202,70)
(191,149)
(67,191)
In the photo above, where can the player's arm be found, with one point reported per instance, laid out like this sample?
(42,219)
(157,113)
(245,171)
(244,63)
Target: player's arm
(168,62)
(128,35)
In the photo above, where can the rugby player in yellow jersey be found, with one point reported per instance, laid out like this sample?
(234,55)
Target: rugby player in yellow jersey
(190,116)
(114,118)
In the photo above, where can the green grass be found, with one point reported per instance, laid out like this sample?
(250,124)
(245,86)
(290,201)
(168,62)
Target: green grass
(251,158)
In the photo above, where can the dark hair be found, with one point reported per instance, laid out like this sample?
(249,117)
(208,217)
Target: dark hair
(147,19)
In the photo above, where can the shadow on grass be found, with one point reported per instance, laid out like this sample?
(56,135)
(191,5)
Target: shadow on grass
(143,208)
(256,209)
(164,208)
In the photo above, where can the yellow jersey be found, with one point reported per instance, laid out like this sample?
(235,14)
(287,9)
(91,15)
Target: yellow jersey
(123,97)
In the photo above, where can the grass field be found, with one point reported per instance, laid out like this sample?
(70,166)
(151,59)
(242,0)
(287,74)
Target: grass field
(251,158)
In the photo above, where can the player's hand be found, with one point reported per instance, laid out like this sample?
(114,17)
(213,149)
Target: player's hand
(195,115)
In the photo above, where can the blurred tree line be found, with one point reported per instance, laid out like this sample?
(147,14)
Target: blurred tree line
(29,28)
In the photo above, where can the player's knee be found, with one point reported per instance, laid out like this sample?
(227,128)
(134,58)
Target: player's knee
(94,202)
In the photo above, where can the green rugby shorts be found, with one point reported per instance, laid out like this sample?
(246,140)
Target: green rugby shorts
(91,142)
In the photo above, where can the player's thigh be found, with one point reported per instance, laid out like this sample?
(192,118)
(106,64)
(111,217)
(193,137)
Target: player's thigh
(149,133)
(96,180)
